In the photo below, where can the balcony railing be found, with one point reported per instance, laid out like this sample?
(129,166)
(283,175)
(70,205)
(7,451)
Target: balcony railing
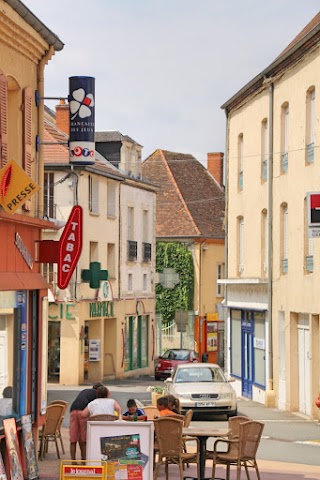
(132,250)
(264,172)
(284,162)
(146,252)
(310,152)
(309,263)
(284,265)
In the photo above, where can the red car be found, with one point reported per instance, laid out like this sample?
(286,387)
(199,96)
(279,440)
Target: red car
(175,356)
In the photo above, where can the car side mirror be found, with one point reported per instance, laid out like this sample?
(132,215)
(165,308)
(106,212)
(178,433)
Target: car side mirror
(168,380)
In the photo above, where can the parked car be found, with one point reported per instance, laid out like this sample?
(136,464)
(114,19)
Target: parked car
(171,358)
(202,387)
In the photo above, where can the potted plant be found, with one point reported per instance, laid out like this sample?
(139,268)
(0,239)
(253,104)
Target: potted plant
(156,392)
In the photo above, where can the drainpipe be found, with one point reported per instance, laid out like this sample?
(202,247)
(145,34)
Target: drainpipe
(226,186)
(270,394)
(39,156)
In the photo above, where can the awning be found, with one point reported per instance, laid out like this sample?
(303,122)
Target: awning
(22,281)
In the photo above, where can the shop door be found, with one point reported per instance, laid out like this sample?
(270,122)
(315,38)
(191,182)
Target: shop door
(3,361)
(247,349)
(54,351)
(304,363)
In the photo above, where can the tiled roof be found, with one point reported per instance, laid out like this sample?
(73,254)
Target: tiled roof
(307,29)
(113,136)
(189,202)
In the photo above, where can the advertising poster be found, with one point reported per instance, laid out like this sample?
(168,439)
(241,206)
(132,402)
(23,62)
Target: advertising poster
(29,447)
(3,475)
(126,447)
(212,336)
(12,443)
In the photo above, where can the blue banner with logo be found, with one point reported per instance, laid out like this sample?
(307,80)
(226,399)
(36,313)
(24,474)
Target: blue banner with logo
(22,305)
(82,128)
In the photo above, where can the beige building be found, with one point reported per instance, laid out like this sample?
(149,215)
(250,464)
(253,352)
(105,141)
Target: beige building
(273,275)
(96,333)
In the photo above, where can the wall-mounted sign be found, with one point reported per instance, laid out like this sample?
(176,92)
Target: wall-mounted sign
(23,250)
(313,208)
(70,246)
(15,187)
(105,292)
(94,350)
(82,129)
(259,343)
(101,309)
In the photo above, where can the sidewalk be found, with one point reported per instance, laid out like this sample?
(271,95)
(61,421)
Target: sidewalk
(269,470)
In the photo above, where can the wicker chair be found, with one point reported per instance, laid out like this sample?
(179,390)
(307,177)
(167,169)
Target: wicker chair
(104,418)
(169,437)
(234,428)
(187,418)
(50,429)
(151,411)
(65,405)
(241,451)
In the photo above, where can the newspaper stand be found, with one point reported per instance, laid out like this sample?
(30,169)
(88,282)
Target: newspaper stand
(83,469)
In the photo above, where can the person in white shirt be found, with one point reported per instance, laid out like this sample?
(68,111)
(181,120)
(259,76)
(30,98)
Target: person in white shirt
(102,405)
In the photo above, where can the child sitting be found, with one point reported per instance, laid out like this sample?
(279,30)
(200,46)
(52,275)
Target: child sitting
(133,412)
(174,404)
(162,406)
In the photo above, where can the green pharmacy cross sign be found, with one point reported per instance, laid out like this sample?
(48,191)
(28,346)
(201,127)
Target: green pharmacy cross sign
(94,275)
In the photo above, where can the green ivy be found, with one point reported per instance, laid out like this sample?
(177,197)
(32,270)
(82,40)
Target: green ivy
(177,256)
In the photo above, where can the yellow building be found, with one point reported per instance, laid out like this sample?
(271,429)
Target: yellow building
(272,266)
(26,45)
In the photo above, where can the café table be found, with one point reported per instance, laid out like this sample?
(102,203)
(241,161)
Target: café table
(203,434)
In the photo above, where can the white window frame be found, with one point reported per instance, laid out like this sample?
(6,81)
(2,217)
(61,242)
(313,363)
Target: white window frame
(111,199)
(240,161)
(264,149)
(220,276)
(241,245)
(93,194)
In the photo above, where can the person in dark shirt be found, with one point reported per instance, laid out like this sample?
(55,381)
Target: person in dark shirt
(78,425)
(133,410)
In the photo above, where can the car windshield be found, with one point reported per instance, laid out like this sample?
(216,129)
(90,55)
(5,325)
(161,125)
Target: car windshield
(201,374)
(176,355)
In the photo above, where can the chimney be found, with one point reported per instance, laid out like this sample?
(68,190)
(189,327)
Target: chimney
(215,166)
(62,116)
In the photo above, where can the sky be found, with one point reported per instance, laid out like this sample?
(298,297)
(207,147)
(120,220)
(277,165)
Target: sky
(163,68)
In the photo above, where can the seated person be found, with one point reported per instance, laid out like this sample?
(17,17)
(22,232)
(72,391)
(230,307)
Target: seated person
(173,404)
(162,406)
(102,405)
(133,411)
(6,403)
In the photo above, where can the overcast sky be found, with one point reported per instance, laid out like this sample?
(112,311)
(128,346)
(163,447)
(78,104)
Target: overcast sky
(163,68)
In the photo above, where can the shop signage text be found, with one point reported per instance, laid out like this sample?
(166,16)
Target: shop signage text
(15,187)
(68,316)
(23,250)
(70,246)
(101,309)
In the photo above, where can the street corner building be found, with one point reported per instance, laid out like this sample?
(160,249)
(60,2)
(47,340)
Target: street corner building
(26,46)
(272,281)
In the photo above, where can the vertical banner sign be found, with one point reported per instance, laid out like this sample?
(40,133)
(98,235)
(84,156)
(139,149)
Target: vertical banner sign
(81,102)
(70,246)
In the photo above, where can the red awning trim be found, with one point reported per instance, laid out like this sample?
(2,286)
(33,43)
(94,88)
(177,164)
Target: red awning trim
(22,281)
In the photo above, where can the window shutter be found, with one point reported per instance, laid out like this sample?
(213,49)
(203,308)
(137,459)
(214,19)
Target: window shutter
(3,120)
(27,130)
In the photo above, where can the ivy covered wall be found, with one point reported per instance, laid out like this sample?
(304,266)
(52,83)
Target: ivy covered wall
(177,256)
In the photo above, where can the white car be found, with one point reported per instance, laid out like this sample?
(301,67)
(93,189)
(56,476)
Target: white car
(203,388)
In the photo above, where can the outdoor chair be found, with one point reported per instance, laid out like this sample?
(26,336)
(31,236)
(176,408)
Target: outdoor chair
(104,418)
(234,429)
(50,429)
(151,411)
(241,451)
(187,418)
(65,405)
(170,442)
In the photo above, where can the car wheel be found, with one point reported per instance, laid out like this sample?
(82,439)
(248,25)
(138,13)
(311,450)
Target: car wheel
(233,413)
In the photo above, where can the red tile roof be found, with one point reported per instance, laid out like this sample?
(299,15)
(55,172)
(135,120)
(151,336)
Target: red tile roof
(190,203)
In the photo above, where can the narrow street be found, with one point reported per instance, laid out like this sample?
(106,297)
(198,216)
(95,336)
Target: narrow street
(287,437)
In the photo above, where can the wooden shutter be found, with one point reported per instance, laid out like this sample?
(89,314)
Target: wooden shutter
(27,130)
(3,120)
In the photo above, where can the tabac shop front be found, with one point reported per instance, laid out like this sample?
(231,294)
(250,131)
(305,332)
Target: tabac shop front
(23,318)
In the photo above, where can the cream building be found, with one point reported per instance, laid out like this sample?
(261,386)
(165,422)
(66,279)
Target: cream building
(272,162)
(96,333)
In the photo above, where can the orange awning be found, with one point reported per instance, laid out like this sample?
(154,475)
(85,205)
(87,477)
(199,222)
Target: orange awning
(22,281)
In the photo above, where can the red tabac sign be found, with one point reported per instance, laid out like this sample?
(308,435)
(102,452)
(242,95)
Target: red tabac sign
(70,246)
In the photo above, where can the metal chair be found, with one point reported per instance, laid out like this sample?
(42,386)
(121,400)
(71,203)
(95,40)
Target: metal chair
(241,451)
(65,405)
(168,431)
(50,429)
